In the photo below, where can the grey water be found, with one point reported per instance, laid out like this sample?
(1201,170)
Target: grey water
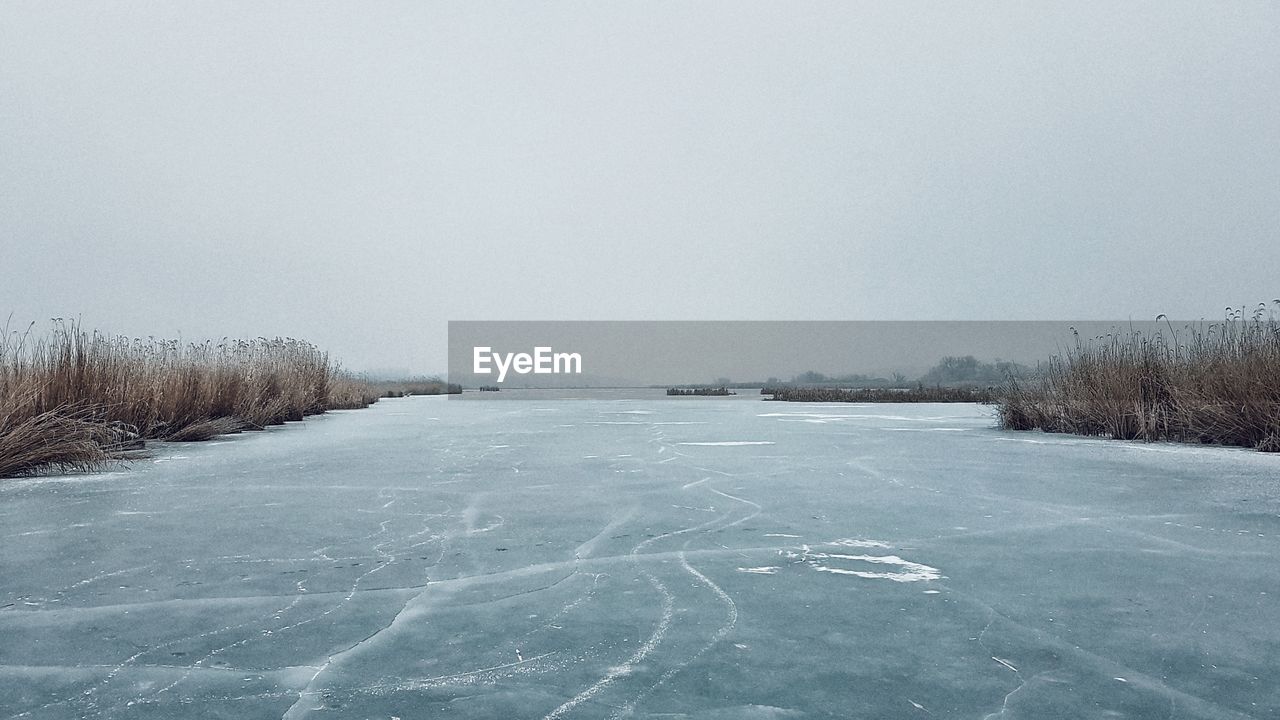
(607,557)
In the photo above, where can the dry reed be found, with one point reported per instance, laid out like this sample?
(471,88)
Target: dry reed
(1211,383)
(71,400)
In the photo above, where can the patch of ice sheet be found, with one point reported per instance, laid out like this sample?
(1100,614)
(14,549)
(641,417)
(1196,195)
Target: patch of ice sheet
(730,443)
(648,646)
(681,422)
(617,422)
(628,412)
(785,535)
(824,417)
(751,712)
(937,429)
(765,570)
(731,620)
(1169,448)
(908,571)
(851,542)
(22,483)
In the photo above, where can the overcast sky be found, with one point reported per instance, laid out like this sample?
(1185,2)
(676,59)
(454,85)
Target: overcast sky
(358,174)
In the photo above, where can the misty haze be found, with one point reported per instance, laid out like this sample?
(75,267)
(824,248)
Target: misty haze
(709,360)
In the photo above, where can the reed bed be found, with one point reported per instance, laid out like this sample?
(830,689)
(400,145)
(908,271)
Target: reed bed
(918,394)
(700,391)
(71,399)
(1213,383)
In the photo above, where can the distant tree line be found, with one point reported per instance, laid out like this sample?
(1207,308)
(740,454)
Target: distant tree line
(414,386)
(918,394)
(950,371)
(968,369)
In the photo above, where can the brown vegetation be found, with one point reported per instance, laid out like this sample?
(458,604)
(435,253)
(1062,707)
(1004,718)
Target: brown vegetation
(701,391)
(1217,383)
(71,399)
(918,394)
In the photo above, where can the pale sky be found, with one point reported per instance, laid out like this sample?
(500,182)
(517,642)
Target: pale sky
(357,174)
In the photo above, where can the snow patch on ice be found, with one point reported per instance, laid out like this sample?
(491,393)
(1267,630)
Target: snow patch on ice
(851,542)
(835,416)
(907,571)
(902,570)
(730,443)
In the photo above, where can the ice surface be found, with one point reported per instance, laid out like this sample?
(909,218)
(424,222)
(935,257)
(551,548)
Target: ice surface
(427,558)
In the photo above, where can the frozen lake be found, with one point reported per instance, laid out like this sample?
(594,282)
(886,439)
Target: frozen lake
(673,558)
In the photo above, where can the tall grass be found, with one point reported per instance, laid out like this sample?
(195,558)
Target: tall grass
(71,399)
(1216,383)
